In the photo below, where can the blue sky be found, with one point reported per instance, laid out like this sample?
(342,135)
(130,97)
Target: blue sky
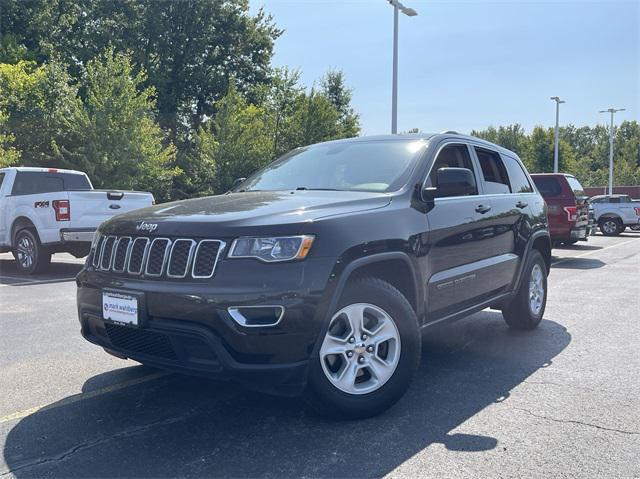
(470,64)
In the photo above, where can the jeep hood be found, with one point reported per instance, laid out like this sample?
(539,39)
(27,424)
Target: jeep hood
(238,211)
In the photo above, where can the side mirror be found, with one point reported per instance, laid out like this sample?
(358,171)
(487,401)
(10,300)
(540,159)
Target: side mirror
(236,182)
(452,182)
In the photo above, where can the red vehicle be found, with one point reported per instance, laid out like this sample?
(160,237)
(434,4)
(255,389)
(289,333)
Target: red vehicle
(568,207)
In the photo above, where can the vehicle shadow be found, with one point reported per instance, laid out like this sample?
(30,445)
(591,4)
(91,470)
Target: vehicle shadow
(180,426)
(577,247)
(56,272)
(578,263)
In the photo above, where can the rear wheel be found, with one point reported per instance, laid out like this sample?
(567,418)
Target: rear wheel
(369,354)
(611,226)
(31,257)
(526,309)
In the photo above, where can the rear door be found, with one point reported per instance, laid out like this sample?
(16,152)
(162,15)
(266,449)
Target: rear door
(509,208)
(458,256)
(37,191)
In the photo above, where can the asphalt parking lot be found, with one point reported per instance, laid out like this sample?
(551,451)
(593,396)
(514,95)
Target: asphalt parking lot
(560,401)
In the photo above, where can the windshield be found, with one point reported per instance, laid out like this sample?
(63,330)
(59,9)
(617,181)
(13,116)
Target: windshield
(358,166)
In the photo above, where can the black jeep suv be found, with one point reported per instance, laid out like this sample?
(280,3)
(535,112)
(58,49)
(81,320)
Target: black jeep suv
(316,274)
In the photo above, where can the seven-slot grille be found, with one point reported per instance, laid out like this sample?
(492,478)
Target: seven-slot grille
(157,257)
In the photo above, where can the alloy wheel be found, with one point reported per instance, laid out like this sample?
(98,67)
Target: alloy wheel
(361,349)
(536,289)
(26,250)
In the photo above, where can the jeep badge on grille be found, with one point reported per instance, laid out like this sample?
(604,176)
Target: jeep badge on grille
(144,226)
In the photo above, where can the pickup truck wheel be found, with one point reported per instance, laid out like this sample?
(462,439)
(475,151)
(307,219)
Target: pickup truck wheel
(526,309)
(611,226)
(369,354)
(31,257)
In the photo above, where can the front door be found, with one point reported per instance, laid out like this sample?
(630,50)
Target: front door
(457,231)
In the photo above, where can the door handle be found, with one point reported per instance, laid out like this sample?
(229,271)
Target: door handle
(522,204)
(483,209)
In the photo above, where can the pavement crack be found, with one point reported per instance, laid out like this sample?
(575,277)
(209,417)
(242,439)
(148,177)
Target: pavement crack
(63,456)
(581,423)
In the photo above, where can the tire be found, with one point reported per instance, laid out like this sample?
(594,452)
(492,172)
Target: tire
(525,311)
(31,257)
(385,312)
(569,242)
(611,226)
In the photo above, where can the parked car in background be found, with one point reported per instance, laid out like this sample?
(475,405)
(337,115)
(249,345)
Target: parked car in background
(45,211)
(613,213)
(318,273)
(568,207)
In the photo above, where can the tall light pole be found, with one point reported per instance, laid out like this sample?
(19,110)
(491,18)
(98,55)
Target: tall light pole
(410,12)
(557,138)
(612,111)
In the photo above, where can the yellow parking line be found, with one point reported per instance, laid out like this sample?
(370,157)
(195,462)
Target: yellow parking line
(592,252)
(81,397)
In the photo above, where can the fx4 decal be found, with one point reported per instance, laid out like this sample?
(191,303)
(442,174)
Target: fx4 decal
(41,204)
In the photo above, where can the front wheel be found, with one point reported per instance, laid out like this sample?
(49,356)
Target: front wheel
(31,257)
(526,309)
(369,353)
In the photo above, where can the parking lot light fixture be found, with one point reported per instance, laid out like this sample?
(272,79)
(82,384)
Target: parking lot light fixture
(557,135)
(613,111)
(410,12)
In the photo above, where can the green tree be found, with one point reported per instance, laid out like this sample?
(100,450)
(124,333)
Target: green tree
(189,48)
(8,154)
(121,144)
(333,87)
(40,102)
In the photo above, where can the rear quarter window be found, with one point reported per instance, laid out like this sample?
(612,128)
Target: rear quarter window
(548,186)
(517,176)
(575,186)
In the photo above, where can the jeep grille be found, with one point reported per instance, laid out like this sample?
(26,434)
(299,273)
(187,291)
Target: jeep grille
(158,257)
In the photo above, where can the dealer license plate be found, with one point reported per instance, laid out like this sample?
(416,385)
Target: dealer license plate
(120,308)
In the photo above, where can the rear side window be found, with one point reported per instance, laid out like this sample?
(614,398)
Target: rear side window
(1,179)
(548,185)
(495,174)
(517,176)
(75,182)
(451,156)
(36,182)
(575,186)
(615,199)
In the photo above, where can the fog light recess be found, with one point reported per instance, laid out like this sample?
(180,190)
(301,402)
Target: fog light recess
(256,316)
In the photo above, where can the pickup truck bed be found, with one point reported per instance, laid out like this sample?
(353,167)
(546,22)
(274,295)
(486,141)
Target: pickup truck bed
(59,208)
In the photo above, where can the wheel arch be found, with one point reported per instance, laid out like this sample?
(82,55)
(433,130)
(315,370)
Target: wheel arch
(393,267)
(22,222)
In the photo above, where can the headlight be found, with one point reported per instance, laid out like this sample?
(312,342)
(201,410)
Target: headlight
(279,248)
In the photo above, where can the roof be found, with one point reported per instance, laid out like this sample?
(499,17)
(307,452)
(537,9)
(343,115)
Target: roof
(41,170)
(422,136)
(552,174)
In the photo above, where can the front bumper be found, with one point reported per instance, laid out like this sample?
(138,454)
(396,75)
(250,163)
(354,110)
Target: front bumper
(187,326)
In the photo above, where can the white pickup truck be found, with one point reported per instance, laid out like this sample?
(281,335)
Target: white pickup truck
(45,211)
(613,213)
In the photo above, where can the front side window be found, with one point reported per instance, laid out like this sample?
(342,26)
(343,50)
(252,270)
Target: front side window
(517,176)
(451,156)
(377,166)
(496,180)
